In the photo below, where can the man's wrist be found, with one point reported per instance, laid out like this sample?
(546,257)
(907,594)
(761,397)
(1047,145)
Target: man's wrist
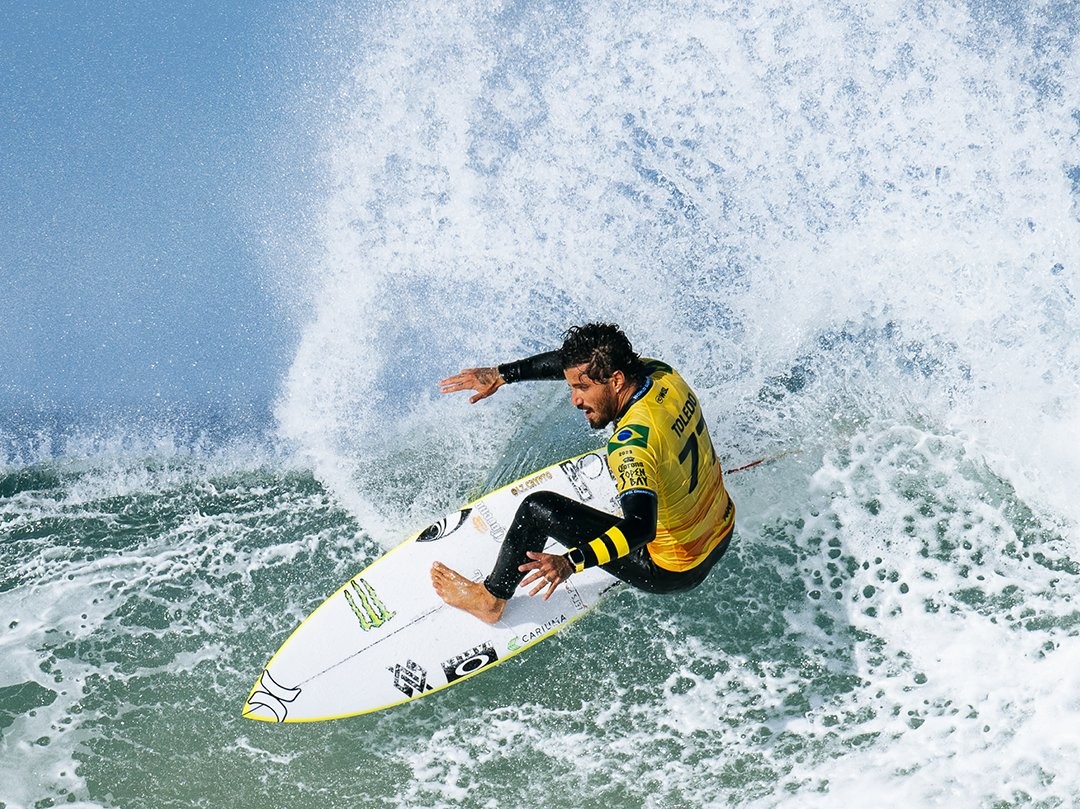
(508,372)
(576,558)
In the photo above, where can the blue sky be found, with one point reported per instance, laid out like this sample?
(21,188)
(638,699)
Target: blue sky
(151,153)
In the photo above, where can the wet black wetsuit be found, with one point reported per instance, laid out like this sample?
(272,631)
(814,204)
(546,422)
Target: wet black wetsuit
(677,517)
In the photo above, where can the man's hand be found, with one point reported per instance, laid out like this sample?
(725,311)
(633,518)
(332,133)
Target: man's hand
(485,381)
(547,570)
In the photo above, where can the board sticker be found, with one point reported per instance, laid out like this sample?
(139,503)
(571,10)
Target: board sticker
(273,696)
(444,527)
(366,605)
(410,679)
(466,663)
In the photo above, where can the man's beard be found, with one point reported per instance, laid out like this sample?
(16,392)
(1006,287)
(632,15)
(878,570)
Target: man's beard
(604,413)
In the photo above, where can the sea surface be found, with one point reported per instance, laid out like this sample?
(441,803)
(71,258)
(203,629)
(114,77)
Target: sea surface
(854,229)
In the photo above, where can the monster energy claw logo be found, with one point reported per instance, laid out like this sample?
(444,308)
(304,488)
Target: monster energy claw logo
(366,605)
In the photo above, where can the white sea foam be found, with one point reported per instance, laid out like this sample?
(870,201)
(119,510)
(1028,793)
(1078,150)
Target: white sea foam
(732,183)
(124,583)
(854,228)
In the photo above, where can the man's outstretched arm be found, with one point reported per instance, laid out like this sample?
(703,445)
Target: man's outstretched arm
(485,381)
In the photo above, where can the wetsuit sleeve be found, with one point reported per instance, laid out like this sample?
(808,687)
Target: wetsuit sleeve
(636,528)
(541,366)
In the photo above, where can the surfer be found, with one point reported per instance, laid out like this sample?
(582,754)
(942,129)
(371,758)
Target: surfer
(677,516)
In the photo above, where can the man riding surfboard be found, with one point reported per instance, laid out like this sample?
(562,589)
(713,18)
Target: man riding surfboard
(677,518)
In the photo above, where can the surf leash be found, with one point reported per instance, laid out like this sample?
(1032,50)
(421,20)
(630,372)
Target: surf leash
(760,461)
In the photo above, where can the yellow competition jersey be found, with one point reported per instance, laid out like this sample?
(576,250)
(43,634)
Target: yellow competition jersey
(661,445)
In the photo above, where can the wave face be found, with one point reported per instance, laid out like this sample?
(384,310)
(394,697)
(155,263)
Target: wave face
(875,205)
(853,228)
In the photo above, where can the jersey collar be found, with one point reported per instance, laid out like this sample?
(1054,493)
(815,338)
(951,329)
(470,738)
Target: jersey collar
(637,395)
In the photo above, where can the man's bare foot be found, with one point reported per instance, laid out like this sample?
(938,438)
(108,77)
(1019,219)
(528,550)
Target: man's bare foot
(471,596)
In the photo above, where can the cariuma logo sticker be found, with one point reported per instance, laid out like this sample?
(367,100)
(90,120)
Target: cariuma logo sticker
(366,605)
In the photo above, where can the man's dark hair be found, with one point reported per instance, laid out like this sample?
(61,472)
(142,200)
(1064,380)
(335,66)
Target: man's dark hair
(604,349)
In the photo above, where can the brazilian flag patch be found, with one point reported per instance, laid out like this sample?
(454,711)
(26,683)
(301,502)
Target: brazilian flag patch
(632,435)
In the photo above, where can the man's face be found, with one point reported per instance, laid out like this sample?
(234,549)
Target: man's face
(597,400)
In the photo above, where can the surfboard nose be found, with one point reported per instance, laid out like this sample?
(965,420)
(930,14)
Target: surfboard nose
(269,700)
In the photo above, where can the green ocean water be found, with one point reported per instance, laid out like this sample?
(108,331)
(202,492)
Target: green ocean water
(853,228)
(890,606)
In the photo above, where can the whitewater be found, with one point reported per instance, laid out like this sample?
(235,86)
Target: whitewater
(852,227)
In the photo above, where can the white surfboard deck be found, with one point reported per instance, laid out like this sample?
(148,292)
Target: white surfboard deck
(385,637)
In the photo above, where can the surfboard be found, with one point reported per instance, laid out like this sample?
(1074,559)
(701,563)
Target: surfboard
(385,637)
